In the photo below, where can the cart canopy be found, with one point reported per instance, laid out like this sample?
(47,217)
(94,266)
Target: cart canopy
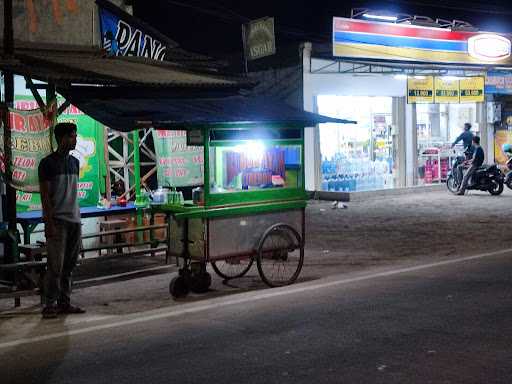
(164,112)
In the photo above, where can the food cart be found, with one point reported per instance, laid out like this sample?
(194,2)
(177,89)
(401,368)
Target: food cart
(251,207)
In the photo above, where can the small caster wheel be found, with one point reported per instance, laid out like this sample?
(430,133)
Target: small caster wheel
(178,287)
(200,283)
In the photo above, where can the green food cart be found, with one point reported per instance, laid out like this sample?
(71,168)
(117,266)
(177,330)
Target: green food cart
(250,208)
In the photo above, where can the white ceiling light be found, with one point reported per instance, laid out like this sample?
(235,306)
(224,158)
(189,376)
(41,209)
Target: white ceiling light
(380,17)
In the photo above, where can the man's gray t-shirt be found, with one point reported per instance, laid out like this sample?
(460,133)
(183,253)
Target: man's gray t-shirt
(61,172)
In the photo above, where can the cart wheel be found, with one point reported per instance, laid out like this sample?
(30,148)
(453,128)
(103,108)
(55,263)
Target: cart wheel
(178,287)
(280,255)
(200,283)
(232,267)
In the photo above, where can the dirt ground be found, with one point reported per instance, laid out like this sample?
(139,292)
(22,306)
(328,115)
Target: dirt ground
(418,226)
(381,232)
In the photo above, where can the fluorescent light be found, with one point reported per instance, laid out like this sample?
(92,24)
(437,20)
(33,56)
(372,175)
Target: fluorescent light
(380,17)
(400,77)
(420,77)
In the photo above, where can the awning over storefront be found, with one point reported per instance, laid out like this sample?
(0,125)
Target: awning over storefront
(65,66)
(126,114)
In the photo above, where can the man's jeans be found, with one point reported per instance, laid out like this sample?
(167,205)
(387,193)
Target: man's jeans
(465,180)
(63,249)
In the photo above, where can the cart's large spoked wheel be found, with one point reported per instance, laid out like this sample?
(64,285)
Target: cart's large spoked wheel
(232,267)
(280,255)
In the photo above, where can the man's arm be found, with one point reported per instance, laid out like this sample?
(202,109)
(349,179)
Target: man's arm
(48,209)
(459,138)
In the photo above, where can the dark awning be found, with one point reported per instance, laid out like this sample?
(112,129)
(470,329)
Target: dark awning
(129,113)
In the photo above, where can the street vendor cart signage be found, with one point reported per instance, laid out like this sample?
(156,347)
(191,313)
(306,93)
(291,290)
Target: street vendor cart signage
(411,43)
(178,165)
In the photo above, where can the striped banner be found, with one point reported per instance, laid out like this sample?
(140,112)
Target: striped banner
(387,41)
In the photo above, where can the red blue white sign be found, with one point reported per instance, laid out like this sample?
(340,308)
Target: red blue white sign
(402,42)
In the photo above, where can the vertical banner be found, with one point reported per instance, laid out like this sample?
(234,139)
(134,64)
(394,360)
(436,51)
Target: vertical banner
(31,141)
(420,89)
(472,89)
(178,165)
(87,152)
(446,91)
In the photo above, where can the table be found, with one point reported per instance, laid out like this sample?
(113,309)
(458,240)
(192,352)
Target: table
(29,220)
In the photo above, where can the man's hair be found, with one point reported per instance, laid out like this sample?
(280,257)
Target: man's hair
(63,129)
(476,139)
(467,126)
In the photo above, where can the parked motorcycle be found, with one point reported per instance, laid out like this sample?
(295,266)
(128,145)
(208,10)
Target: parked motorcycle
(486,178)
(508,176)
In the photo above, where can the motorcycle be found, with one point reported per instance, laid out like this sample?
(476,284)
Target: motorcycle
(508,176)
(486,178)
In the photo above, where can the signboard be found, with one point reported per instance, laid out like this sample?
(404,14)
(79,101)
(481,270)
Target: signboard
(259,38)
(411,43)
(123,35)
(420,89)
(89,154)
(31,141)
(446,90)
(178,165)
(498,83)
(472,90)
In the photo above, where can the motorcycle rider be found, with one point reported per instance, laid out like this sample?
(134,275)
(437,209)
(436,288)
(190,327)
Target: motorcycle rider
(466,137)
(475,163)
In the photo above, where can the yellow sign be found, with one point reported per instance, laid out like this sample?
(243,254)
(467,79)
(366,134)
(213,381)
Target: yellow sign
(446,91)
(472,89)
(420,89)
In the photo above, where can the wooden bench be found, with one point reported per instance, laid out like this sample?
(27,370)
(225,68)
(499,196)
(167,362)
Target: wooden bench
(26,276)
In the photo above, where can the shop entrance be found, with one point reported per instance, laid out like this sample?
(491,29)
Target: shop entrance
(357,157)
(438,125)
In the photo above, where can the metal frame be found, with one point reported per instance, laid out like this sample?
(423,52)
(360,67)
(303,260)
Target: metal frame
(122,164)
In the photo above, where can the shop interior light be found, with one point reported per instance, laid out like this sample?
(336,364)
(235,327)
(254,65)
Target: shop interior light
(420,77)
(254,149)
(372,16)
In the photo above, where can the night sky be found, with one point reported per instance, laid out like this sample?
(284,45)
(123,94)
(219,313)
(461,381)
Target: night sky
(214,26)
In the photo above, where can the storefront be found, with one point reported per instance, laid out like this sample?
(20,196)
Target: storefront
(411,89)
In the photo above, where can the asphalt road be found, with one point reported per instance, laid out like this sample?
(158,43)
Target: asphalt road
(447,323)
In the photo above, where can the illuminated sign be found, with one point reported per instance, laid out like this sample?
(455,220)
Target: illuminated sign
(420,89)
(446,90)
(369,40)
(489,47)
(429,90)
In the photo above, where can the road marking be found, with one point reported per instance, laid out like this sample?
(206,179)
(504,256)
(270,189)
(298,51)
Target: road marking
(240,299)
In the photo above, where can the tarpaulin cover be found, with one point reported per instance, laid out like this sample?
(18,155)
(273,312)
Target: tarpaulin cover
(126,114)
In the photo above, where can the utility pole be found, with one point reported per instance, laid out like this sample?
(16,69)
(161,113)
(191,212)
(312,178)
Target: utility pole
(9,207)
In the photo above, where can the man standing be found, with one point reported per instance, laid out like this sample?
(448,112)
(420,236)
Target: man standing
(58,178)
(475,163)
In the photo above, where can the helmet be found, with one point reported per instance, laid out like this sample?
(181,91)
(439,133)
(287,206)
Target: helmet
(506,147)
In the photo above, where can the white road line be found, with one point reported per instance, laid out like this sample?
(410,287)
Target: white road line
(242,298)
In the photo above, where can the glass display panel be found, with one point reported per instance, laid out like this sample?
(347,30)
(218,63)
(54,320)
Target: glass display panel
(254,165)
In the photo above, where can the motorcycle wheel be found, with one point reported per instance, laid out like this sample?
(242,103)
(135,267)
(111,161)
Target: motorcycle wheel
(452,184)
(508,180)
(496,188)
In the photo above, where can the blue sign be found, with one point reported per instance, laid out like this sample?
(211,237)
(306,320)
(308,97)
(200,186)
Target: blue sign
(121,38)
(498,83)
